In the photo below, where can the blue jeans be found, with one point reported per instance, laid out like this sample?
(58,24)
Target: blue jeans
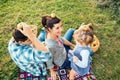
(66,64)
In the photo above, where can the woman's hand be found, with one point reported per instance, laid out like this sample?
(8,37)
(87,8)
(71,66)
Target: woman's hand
(53,74)
(68,43)
(72,74)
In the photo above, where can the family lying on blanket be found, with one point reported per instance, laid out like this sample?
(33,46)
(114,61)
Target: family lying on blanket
(54,57)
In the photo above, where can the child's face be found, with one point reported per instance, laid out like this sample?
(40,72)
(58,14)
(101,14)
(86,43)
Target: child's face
(57,29)
(76,32)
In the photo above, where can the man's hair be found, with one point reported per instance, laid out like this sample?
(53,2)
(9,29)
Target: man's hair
(18,36)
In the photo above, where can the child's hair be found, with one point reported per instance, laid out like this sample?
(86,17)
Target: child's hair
(48,21)
(88,26)
(84,35)
(18,36)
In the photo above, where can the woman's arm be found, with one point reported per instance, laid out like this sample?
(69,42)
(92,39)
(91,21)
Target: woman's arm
(68,43)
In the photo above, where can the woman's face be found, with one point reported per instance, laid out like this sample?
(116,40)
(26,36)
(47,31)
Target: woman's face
(57,29)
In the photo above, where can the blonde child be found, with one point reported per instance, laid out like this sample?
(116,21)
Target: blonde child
(80,57)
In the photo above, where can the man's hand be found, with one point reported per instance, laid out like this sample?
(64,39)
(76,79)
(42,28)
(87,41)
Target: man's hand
(27,31)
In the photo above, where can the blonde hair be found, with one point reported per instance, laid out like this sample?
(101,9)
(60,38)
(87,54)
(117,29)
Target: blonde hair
(83,35)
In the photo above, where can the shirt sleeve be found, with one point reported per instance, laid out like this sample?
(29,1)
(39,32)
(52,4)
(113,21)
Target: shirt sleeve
(50,63)
(26,53)
(30,54)
(85,57)
(40,55)
(63,39)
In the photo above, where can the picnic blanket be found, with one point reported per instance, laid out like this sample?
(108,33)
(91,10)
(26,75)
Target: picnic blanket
(63,74)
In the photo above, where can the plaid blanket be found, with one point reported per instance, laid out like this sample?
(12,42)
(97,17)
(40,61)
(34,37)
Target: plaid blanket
(63,74)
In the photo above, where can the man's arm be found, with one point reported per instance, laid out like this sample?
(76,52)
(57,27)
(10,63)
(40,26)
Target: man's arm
(28,32)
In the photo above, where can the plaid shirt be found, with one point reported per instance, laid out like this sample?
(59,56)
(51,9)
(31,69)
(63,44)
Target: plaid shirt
(28,58)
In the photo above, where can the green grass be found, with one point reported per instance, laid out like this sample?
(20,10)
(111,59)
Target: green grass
(72,12)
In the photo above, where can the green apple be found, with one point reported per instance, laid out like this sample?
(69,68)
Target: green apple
(20,26)
(53,15)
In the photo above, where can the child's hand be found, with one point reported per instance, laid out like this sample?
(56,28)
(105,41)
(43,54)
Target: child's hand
(75,59)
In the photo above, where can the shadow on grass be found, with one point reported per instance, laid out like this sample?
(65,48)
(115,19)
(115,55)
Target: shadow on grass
(3,1)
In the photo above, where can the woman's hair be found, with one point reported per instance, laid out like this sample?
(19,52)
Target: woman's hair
(84,35)
(18,36)
(49,21)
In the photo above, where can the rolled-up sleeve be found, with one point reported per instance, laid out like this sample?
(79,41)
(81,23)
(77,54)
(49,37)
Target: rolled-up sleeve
(50,63)
(63,39)
(41,56)
(33,55)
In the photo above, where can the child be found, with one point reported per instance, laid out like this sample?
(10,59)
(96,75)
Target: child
(27,51)
(80,56)
(55,43)
(95,44)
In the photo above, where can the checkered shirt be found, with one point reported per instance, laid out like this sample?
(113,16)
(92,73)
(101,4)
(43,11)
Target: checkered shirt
(29,59)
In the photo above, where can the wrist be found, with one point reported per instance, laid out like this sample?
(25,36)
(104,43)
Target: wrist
(51,70)
(32,37)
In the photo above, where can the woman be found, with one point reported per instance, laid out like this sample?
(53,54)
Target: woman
(55,43)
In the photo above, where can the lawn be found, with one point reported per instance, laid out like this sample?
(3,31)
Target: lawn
(73,13)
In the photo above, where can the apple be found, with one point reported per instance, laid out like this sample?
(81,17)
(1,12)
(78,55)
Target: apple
(53,15)
(20,26)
